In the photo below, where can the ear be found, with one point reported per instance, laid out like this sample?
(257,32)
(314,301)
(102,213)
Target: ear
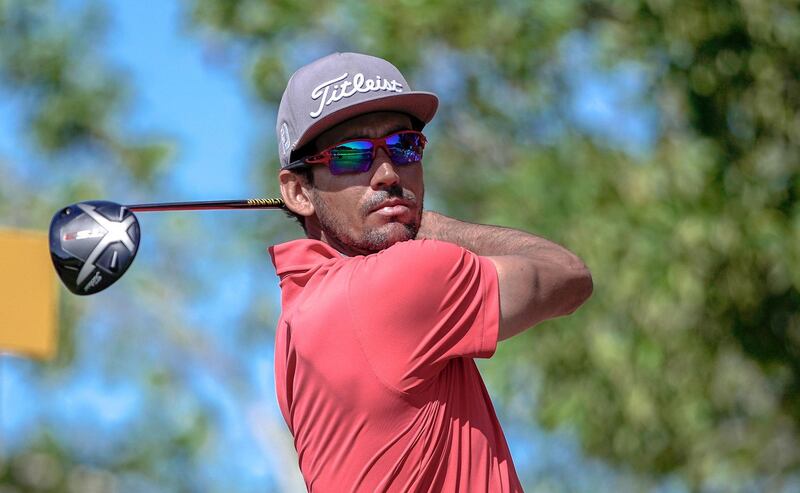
(296,193)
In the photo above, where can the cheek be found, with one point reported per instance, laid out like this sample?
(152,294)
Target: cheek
(342,207)
(412,180)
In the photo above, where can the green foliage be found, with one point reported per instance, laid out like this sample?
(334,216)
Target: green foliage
(72,97)
(686,358)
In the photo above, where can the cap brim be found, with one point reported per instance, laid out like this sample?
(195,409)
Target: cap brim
(419,104)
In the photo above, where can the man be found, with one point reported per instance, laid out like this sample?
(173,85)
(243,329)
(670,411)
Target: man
(385,304)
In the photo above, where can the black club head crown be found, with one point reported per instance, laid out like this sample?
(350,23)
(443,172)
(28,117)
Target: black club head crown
(92,244)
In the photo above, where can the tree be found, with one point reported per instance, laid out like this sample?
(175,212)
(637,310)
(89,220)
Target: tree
(686,359)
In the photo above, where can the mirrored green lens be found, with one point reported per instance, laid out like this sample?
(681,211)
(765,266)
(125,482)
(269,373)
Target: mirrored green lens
(351,157)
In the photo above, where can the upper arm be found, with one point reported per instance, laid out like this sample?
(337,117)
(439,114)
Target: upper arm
(532,290)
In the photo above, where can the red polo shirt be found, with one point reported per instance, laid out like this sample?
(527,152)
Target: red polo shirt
(374,368)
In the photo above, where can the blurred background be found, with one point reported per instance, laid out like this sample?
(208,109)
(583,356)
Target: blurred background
(658,139)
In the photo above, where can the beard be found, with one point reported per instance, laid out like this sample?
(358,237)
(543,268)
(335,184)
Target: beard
(374,239)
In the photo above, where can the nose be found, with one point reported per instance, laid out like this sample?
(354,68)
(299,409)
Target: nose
(384,174)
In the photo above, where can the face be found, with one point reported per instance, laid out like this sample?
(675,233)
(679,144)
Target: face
(363,213)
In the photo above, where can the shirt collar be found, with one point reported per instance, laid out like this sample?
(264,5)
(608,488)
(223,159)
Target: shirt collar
(300,256)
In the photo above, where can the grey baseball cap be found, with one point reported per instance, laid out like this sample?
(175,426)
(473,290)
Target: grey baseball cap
(338,87)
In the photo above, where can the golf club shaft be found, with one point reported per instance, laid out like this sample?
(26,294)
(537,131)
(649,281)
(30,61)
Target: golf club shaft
(209,205)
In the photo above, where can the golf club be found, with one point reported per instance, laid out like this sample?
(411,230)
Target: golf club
(93,243)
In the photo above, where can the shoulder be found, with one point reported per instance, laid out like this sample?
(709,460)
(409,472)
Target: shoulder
(420,303)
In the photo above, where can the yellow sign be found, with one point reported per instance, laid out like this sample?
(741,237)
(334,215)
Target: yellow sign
(28,294)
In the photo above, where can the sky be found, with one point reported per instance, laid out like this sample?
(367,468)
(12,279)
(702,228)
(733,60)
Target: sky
(184,91)
(179,91)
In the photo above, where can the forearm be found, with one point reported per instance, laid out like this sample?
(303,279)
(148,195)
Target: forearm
(538,279)
(489,240)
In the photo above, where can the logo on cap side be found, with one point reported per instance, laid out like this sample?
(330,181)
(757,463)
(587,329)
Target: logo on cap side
(337,89)
(286,142)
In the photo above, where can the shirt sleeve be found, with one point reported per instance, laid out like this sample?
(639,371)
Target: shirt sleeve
(419,304)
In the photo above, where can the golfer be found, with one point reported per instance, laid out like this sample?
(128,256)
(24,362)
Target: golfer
(385,304)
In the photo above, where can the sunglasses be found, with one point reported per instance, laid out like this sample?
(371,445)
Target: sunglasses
(357,155)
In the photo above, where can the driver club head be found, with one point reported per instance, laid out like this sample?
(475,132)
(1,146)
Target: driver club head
(92,244)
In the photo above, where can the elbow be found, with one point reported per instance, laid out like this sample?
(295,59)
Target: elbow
(580,287)
(586,286)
